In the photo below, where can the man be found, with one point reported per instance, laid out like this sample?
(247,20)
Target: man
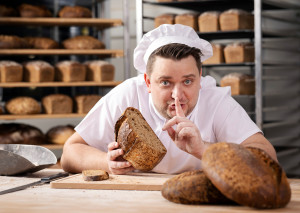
(186,111)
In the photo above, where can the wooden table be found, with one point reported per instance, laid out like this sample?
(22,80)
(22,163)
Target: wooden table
(44,199)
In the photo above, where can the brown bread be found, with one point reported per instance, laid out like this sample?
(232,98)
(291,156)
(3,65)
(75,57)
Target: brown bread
(83,43)
(38,71)
(94,175)
(239,53)
(243,177)
(30,11)
(99,71)
(142,148)
(23,106)
(84,103)
(41,43)
(188,19)
(12,42)
(6,11)
(164,19)
(59,134)
(192,187)
(70,71)
(218,55)
(209,21)
(57,104)
(11,71)
(75,12)
(236,19)
(240,83)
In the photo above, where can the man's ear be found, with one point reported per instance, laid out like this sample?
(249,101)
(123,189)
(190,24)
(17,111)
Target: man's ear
(147,80)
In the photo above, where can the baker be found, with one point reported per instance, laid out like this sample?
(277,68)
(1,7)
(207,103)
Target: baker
(187,111)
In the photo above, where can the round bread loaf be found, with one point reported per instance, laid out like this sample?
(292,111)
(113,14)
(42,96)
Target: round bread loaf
(6,11)
(59,134)
(75,12)
(12,42)
(83,43)
(15,133)
(30,11)
(192,187)
(94,175)
(23,106)
(243,176)
(142,148)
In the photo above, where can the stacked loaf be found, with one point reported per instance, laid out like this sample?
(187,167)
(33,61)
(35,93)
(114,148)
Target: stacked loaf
(240,83)
(231,174)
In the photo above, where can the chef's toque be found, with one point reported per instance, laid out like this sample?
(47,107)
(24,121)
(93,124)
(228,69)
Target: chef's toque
(167,34)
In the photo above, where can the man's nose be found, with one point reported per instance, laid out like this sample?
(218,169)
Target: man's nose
(177,92)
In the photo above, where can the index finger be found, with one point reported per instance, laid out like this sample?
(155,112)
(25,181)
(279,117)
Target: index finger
(178,109)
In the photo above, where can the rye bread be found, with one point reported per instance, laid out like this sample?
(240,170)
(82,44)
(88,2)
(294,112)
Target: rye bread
(244,177)
(142,148)
(94,175)
(192,187)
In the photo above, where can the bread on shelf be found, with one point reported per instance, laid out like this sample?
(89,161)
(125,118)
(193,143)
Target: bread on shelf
(209,21)
(167,18)
(18,133)
(31,11)
(75,12)
(142,148)
(188,19)
(12,42)
(59,134)
(241,84)
(99,71)
(41,43)
(236,19)
(57,104)
(239,53)
(10,71)
(6,11)
(70,71)
(84,103)
(83,43)
(218,55)
(38,71)
(23,106)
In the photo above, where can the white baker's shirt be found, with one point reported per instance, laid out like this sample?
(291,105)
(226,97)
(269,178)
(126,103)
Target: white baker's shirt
(217,115)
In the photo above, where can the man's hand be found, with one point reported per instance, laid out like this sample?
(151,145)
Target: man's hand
(114,165)
(186,136)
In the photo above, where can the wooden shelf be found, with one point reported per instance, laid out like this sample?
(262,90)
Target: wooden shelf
(96,22)
(99,52)
(40,116)
(60,84)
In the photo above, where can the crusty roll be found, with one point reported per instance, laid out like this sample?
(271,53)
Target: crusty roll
(23,106)
(244,177)
(75,12)
(83,43)
(142,148)
(192,187)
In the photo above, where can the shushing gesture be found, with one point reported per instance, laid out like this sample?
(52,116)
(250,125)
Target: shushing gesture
(186,136)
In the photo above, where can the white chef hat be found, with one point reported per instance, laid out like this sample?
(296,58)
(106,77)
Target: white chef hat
(167,34)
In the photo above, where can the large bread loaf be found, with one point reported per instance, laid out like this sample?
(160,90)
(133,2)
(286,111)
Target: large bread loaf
(57,104)
(23,106)
(70,71)
(12,42)
(75,12)
(240,83)
(38,71)
(142,148)
(10,71)
(98,70)
(59,134)
(83,43)
(30,11)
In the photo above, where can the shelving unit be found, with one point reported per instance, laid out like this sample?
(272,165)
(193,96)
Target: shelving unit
(276,105)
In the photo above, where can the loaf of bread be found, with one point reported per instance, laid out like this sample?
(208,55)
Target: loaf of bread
(12,42)
(41,43)
(6,11)
(218,55)
(70,71)
(59,134)
(209,21)
(188,19)
(94,175)
(84,103)
(10,71)
(98,70)
(30,11)
(245,178)
(75,12)
(38,71)
(192,187)
(239,53)
(236,19)
(164,19)
(240,83)
(142,148)
(1,110)
(83,43)
(17,133)
(23,106)
(57,104)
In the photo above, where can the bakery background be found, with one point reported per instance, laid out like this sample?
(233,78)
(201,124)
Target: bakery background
(272,68)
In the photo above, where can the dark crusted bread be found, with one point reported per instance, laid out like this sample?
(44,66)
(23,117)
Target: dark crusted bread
(16,133)
(142,148)
(41,43)
(57,104)
(83,43)
(59,134)
(94,175)
(30,11)
(192,187)
(6,11)
(12,42)
(23,106)
(75,12)
(242,176)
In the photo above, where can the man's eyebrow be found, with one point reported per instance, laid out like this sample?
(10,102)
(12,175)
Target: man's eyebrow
(165,77)
(190,76)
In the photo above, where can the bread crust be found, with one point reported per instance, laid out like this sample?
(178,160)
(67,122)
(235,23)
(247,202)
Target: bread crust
(23,106)
(94,175)
(75,12)
(83,43)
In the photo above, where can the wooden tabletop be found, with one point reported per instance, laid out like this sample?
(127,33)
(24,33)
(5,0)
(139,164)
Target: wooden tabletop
(44,199)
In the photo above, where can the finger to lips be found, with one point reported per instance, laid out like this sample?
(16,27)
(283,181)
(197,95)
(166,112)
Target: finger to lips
(178,108)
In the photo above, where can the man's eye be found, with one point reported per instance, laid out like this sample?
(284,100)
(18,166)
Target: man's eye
(165,83)
(187,82)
